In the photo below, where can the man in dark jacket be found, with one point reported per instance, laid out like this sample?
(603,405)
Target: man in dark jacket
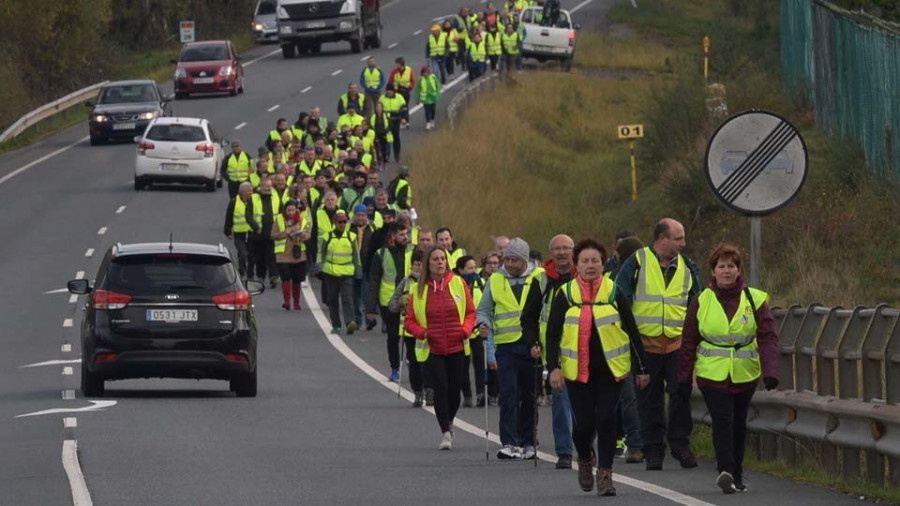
(388,268)
(238,232)
(261,240)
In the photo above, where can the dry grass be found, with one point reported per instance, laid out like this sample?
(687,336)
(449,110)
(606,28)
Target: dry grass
(623,53)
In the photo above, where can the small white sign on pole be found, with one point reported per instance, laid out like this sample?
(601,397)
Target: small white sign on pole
(187,30)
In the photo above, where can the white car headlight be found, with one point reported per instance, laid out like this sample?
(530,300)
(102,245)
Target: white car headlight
(147,115)
(180,73)
(345,25)
(100,118)
(285,29)
(258,27)
(225,71)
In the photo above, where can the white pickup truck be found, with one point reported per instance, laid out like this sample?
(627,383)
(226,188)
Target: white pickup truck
(545,40)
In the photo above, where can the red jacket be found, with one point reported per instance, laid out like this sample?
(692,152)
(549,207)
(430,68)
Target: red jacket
(445,334)
(766,339)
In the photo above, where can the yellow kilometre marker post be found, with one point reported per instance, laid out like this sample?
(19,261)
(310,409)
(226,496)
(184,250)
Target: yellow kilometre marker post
(630,133)
(706,58)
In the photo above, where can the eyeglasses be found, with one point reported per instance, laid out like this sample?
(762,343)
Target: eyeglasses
(561,248)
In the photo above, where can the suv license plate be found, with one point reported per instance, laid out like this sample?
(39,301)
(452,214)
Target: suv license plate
(171,315)
(124,126)
(174,166)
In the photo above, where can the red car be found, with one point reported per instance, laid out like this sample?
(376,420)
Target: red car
(211,66)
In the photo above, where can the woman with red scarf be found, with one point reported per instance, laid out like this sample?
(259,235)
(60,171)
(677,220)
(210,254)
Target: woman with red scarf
(592,345)
(441,317)
(289,230)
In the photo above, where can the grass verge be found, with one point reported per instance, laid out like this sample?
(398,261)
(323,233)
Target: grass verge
(154,64)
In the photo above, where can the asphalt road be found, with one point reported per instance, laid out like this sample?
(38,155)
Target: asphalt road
(321,429)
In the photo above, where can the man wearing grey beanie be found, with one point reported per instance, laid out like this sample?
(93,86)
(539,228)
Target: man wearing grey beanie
(513,344)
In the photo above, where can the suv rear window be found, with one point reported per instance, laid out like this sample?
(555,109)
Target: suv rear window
(205,53)
(176,133)
(163,273)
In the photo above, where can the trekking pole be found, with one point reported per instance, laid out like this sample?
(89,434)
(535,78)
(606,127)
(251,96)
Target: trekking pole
(487,452)
(537,383)
(402,359)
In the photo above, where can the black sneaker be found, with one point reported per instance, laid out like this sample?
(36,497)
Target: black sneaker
(685,458)
(654,461)
(371,324)
(429,397)
(739,484)
(564,462)
(493,400)
(479,401)
(726,482)
(417,403)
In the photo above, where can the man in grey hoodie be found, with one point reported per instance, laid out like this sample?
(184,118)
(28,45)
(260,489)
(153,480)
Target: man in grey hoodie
(513,336)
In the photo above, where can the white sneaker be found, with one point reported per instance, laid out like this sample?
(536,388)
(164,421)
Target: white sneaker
(725,481)
(529,453)
(446,442)
(509,452)
(427,125)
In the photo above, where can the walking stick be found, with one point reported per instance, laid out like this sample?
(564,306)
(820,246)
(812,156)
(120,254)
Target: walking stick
(537,384)
(402,359)
(487,452)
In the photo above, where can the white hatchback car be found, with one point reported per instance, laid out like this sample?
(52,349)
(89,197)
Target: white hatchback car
(179,150)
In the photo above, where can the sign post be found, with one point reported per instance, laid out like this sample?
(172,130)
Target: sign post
(187,30)
(756,163)
(630,133)
(706,58)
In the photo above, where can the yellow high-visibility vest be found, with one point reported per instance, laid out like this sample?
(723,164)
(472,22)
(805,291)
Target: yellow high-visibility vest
(660,309)
(507,310)
(281,244)
(238,167)
(494,43)
(728,348)
(338,259)
(437,46)
(372,77)
(511,42)
(458,290)
(614,340)
(239,216)
(389,275)
(403,77)
(477,51)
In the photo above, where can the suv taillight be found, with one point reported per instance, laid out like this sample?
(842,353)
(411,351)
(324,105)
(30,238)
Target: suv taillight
(208,149)
(233,301)
(107,300)
(144,146)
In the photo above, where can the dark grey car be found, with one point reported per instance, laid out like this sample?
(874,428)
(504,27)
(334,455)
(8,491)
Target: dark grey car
(124,109)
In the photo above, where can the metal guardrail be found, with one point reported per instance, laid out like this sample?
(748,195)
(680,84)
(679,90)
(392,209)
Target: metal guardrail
(467,95)
(45,111)
(838,404)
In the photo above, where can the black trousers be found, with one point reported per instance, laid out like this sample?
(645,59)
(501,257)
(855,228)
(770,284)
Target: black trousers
(392,322)
(395,130)
(416,382)
(264,258)
(495,61)
(295,273)
(430,111)
(451,58)
(729,426)
(663,371)
(594,406)
(445,377)
(339,295)
(242,246)
(477,361)
(233,187)
(404,92)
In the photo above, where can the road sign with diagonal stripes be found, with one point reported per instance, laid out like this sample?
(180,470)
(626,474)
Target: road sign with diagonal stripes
(756,162)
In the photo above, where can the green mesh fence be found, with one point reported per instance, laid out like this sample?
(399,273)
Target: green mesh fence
(849,64)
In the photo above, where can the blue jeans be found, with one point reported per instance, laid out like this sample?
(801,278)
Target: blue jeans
(439,68)
(517,372)
(562,422)
(631,420)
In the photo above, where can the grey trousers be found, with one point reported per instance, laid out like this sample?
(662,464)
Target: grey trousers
(339,295)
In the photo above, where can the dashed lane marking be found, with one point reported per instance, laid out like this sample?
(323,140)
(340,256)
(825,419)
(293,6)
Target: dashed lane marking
(79,275)
(66,348)
(304,90)
(417,32)
(263,57)
(102,230)
(242,125)
(276,106)
(67,371)
(89,253)
(392,46)
(68,395)
(70,422)
(121,209)
(336,72)
(67,322)
(73,299)
(366,57)
(582,4)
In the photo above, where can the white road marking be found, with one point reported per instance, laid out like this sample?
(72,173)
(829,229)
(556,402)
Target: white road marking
(70,422)
(80,494)
(276,106)
(339,344)
(66,348)
(89,253)
(242,125)
(53,362)
(79,275)
(263,57)
(102,230)
(67,371)
(336,72)
(451,84)
(304,90)
(68,395)
(366,57)
(121,209)
(582,4)
(73,298)
(41,160)
(392,46)
(390,4)
(58,290)
(67,322)
(95,406)
(417,32)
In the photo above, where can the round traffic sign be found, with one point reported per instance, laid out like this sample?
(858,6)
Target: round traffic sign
(756,162)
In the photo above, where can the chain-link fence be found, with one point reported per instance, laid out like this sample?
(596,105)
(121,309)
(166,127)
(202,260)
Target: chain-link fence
(849,65)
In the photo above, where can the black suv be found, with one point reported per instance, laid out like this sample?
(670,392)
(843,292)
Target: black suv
(125,108)
(168,310)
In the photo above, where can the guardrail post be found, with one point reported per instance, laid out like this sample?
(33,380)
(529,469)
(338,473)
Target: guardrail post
(892,367)
(873,352)
(849,350)
(788,332)
(804,355)
(827,350)
(810,425)
(886,432)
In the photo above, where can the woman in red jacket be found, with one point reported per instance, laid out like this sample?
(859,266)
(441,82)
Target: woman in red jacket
(440,317)
(731,340)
